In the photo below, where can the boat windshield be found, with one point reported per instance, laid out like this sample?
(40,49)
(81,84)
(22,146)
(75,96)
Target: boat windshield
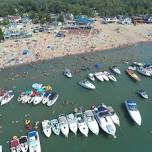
(132,106)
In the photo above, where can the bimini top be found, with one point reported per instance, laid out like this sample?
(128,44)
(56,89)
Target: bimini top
(32,133)
(23,140)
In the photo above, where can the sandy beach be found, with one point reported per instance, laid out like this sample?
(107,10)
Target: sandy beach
(43,46)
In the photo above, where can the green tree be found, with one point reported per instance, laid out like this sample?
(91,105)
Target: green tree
(1,35)
(61,18)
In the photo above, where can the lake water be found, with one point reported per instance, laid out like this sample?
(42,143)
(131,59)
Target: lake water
(130,137)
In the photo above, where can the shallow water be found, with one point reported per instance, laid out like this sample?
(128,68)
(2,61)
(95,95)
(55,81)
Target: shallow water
(129,136)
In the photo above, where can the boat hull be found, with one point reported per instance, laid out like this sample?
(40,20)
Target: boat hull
(135,115)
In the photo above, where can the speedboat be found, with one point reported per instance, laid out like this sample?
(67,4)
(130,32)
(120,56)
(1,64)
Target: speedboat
(138,64)
(27,98)
(72,123)
(55,126)
(144,71)
(87,84)
(63,125)
(132,67)
(143,94)
(113,115)
(24,98)
(7,98)
(34,141)
(52,98)
(3,93)
(46,97)
(133,75)
(91,76)
(134,113)
(23,143)
(32,99)
(0,148)
(116,70)
(67,73)
(46,128)
(104,120)
(105,77)
(82,124)
(38,99)
(110,76)
(15,145)
(91,121)
(99,76)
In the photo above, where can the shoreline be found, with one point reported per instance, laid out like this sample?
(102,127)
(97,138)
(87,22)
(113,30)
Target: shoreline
(46,46)
(97,49)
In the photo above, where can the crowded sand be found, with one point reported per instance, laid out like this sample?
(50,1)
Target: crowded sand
(47,46)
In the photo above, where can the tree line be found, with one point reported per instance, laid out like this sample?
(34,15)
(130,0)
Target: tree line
(76,7)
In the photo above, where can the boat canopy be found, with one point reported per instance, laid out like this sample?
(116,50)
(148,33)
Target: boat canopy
(32,133)
(46,94)
(40,90)
(36,86)
(28,92)
(23,140)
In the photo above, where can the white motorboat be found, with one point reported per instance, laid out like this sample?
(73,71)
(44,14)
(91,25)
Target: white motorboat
(0,148)
(72,123)
(91,76)
(23,143)
(7,98)
(32,99)
(91,121)
(46,97)
(64,125)
(19,99)
(138,64)
(132,67)
(55,126)
(116,70)
(37,99)
(110,76)
(87,84)
(134,113)
(52,98)
(3,93)
(105,77)
(144,71)
(104,120)
(98,75)
(82,124)
(113,115)
(24,98)
(34,141)
(143,94)
(68,73)
(28,98)
(46,128)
